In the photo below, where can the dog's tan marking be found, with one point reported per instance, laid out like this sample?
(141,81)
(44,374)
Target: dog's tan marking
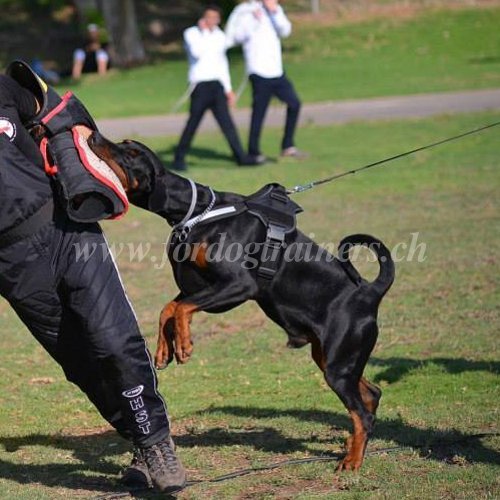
(317,352)
(165,346)
(369,400)
(199,255)
(355,445)
(183,342)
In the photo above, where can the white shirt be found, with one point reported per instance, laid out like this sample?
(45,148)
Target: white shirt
(260,36)
(207,56)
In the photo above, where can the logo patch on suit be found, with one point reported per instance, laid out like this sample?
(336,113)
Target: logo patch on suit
(133,393)
(8,128)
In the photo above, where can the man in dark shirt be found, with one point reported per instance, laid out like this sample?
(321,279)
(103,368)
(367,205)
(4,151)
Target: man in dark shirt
(75,305)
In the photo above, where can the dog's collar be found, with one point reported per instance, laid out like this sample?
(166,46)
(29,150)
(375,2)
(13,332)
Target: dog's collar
(183,228)
(192,206)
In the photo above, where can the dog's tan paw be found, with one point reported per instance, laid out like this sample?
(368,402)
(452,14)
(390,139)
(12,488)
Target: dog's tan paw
(183,355)
(349,463)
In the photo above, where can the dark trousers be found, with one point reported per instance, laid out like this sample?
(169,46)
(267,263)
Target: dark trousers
(63,284)
(209,95)
(263,89)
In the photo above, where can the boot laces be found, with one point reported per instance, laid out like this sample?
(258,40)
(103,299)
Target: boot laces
(161,455)
(137,458)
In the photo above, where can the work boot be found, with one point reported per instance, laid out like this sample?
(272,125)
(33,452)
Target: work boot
(136,475)
(165,469)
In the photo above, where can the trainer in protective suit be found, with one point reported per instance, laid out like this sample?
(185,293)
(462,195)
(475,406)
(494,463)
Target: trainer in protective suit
(52,193)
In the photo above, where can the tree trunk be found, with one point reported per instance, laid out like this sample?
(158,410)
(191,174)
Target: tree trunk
(121,24)
(315,6)
(83,8)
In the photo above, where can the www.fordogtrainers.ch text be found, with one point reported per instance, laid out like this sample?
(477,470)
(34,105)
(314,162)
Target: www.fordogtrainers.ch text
(249,254)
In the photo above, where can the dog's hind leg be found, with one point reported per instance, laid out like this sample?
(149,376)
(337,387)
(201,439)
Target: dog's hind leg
(347,388)
(317,352)
(370,394)
(343,373)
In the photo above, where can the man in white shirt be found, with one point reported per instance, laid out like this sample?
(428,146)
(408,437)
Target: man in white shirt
(259,27)
(211,83)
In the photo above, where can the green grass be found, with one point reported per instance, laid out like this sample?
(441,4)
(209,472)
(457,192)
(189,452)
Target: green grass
(245,400)
(439,51)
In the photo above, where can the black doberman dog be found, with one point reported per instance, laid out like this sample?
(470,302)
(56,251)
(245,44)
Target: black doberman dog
(317,299)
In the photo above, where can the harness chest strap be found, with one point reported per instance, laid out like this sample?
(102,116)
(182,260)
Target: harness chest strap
(271,252)
(278,213)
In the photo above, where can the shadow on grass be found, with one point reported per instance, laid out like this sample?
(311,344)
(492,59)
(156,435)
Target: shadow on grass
(441,445)
(397,368)
(91,456)
(485,60)
(265,439)
(199,153)
(87,469)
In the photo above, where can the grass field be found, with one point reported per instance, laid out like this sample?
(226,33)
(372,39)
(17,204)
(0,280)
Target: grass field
(244,400)
(447,50)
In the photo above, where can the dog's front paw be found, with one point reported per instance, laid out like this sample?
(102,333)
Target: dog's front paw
(183,352)
(165,346)
(163,357)
(349,464)
(353,458)
(161,361)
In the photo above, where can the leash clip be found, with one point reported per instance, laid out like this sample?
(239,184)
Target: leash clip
(300,188)
(183,233)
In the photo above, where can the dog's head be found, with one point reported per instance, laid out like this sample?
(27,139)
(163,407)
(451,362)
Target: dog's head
(134,163)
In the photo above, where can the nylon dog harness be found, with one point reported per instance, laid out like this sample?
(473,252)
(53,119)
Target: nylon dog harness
(272,207)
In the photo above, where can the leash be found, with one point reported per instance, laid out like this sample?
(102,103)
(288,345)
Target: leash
(310,185)
(242,87)
(183,99)
(333,457)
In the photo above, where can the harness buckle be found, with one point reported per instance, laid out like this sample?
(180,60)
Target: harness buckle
(271,251)
(275,233)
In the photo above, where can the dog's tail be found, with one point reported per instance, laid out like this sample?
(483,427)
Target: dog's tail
(386,274)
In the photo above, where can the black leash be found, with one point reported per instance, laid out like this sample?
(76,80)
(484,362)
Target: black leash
(334,457)
(310,185)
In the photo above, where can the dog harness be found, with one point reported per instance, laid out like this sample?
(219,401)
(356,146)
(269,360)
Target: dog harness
(272,207)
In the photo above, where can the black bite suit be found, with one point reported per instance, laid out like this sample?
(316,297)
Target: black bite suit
(63,284)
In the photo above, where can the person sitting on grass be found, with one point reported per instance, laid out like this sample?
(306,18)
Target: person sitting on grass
(93,58)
